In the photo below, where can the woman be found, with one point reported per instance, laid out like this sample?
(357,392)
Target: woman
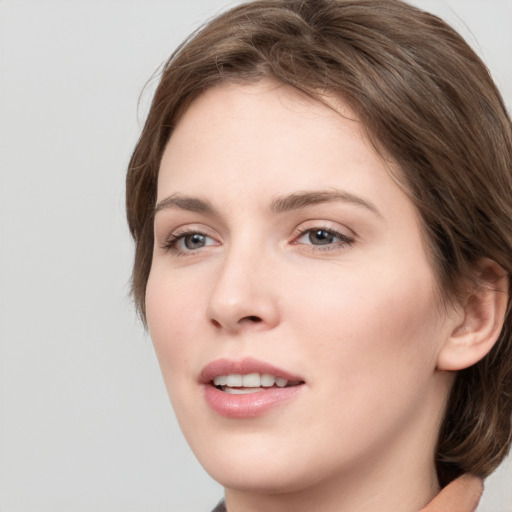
(320,200)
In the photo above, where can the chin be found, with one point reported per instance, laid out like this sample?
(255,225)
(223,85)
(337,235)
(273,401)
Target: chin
(260,477)
(254,463)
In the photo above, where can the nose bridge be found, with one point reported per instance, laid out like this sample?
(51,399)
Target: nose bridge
(243,293)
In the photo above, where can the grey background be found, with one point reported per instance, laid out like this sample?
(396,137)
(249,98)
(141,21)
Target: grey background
(85,423)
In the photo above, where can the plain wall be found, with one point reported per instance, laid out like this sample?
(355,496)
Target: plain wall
(85,423)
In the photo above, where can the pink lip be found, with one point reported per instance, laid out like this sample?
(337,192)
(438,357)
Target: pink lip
(246,405)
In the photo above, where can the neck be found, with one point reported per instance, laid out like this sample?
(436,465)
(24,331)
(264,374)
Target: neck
(376,490)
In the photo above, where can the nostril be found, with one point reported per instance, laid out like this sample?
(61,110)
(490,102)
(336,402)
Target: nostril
(253,318)
(249,319)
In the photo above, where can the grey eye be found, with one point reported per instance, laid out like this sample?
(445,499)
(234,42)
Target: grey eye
(321,237)
(194,241)
(324,237)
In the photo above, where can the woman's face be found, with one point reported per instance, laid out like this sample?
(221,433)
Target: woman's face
(285,252)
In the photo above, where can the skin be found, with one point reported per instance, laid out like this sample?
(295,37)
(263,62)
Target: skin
(462,495)
(359,319)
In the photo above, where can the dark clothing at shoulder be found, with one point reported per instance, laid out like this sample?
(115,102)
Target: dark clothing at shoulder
(221,507)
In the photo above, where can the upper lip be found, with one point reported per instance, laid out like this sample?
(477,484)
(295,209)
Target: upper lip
(243,367)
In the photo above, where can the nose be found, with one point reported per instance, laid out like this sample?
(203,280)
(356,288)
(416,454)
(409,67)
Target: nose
(244,295)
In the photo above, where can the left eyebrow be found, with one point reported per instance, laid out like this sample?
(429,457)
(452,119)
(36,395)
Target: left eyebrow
(303,199)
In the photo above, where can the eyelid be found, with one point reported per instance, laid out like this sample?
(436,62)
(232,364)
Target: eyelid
(169,243)
(346,235)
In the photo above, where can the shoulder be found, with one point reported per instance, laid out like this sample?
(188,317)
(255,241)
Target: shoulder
(221,507)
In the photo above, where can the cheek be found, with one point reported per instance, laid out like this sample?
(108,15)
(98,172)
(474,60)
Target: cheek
(373,324)
(173,314)
(373,344)
(172,317)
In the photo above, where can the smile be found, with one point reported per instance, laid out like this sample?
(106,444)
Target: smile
(247,388)
(250,383)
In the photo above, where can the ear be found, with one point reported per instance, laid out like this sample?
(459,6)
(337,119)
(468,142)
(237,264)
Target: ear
(480,322)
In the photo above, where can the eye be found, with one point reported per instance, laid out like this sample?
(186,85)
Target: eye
(319,237)
(193,241)
(323,237)
(188,241)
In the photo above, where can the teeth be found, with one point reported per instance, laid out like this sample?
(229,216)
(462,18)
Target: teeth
(234,381)
(222,380)
(267,380)
(281,382)
(240,391)
(250,380)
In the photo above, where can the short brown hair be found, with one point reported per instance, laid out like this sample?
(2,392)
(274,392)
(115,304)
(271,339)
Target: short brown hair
(428,101)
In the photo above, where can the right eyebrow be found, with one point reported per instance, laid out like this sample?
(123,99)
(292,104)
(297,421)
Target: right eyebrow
(181,202)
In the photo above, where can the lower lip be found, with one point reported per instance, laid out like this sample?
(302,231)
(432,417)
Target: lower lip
(247,405)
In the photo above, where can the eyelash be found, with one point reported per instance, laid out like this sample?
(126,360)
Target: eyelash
(171,242)
(344,239)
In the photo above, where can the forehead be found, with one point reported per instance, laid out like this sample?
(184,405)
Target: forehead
(239,132)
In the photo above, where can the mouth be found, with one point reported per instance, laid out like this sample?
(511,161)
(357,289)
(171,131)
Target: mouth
(240,384)
(247,388)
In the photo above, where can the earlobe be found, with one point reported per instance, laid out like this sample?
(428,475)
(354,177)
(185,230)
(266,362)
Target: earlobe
(483,314)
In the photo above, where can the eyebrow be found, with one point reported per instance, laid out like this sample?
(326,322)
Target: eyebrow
(303,199)
(181,202)
(278,205)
